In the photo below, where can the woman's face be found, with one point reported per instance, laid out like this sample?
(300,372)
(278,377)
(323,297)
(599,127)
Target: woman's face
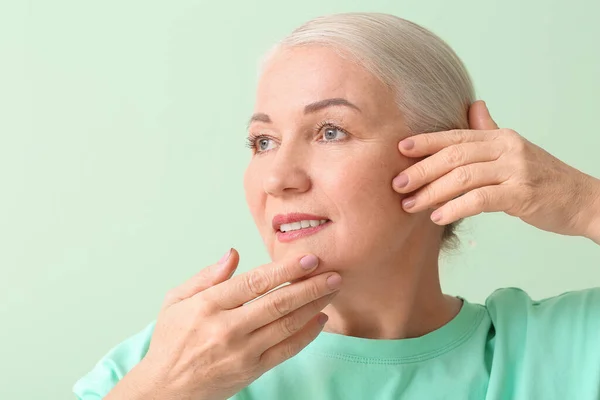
(327,159)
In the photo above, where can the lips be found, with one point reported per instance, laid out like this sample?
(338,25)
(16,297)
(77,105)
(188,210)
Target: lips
(281,219)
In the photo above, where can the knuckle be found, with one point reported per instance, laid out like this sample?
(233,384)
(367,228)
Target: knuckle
(428,193)
(509,132)
(171,296)
(217,333)
(313,290)
(462,176)
(203,306)
(257,282)
(282,272)
(454,155)
(480,198)
(515,140)
(281,305)
(425,140)
(457,133)
(291,349)
(420,172)
(288,326)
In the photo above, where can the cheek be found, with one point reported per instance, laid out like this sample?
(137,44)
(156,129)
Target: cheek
(362,181)
(253,191)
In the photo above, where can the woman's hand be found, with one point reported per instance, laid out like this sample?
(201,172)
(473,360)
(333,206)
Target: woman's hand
(491,169)
(208,344)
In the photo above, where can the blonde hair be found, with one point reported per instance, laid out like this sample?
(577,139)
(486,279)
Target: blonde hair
(434,90)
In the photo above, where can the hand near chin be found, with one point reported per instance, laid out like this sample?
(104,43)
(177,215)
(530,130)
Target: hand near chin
(487,169)
(216,334)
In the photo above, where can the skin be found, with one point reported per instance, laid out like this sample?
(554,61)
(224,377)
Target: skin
(385,251)
(490,169)
(387,258)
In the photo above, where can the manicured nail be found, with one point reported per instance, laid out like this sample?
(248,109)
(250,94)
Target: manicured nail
(225,257)
(309,262)
(407,144)
(334,281)
(323,319)
(401,180)
(408,202)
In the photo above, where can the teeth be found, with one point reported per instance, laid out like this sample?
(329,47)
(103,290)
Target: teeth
(294,226)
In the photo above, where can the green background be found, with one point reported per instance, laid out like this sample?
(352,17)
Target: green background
(122,127)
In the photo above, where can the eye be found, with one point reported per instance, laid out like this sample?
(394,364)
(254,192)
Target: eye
(262,143)
(332,133)
(259,144)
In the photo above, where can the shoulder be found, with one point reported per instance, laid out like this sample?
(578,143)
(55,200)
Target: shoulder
(114,365)
(573,315)
(515,303)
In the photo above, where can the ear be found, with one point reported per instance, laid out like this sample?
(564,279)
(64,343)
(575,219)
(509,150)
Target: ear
(480,118)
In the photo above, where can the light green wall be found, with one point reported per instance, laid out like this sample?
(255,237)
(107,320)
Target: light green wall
(122,152)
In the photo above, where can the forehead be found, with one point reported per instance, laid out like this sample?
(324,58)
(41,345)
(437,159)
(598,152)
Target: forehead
(294,77)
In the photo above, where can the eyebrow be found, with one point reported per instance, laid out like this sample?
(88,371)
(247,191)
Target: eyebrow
(310,108)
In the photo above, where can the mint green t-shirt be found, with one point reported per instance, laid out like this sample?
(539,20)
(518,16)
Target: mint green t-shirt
(510,348)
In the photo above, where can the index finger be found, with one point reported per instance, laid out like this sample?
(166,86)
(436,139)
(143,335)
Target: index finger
(424,144)
(252,284)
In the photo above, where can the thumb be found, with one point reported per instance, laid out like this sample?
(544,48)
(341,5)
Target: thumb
(480,118)
(207,277)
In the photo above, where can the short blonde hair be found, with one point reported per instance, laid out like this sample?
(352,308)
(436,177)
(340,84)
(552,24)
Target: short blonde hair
(434,90)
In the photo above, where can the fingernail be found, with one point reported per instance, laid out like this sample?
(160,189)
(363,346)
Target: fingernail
(436,216)
(309,262)
(408,202)
(401,180)
(334,281)
(225,257)
(323,319)
(407,144)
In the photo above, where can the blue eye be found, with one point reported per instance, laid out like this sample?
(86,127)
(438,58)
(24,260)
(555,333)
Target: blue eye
(259,144)
(262,143)
(332,133)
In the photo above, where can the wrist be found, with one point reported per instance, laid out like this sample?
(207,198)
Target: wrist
(141,382)
(592,212)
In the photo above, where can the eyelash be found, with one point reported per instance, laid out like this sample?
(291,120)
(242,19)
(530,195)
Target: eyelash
(252,139)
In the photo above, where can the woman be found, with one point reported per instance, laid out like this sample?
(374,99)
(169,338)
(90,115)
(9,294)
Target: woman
(331,164)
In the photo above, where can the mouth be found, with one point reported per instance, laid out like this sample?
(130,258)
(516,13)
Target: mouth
(290,227)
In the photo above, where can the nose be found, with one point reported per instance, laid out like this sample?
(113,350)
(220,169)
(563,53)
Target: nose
(287,173)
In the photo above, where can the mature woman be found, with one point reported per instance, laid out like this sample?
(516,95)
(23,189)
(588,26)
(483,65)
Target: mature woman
(342,200)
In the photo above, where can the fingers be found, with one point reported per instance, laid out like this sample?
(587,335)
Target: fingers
(480,118)
(485,199)
(285,300)
(277,331)
(207,277)
(291,346)
(252,284)
(425,144)
(454,184)
(444,161)
(481,128)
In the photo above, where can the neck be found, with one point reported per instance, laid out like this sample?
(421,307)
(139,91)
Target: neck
(392,300)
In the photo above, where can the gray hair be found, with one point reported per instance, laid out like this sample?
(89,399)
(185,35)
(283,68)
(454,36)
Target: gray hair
(434,90)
